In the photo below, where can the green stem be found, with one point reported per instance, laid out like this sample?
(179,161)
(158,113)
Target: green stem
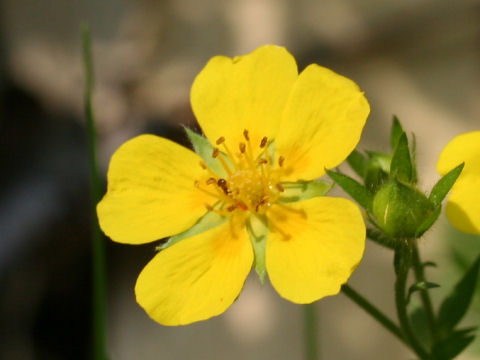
(374,312)
(310,332)
(425,296)
(98,244)
(402,266)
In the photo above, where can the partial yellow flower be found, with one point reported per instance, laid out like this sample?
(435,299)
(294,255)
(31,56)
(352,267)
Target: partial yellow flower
(271,131)
(463,206)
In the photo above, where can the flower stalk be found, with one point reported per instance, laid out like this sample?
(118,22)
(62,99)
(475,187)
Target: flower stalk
(310,332)
(98,244)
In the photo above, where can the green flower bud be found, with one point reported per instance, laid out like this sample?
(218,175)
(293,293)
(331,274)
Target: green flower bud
(400,209)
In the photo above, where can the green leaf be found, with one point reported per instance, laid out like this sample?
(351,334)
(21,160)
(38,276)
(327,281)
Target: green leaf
(396,132)
(421,285)
(428,222)
(258,231)
(401,166)
(443,186)
(303,190)
(419,322)
(449,347)
(353,188)
(457,302)
(204,149)
(210,220)
(358,163)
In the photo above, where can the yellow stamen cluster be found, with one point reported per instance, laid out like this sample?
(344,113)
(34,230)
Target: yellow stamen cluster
(251,184)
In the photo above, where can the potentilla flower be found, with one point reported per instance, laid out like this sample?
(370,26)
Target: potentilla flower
(248,197)
(463,206)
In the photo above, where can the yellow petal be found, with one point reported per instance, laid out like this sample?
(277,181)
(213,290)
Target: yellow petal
(197,278)
(314,247)
(463,207)
(463,148)
(151,192)
(322,123)
(246,92)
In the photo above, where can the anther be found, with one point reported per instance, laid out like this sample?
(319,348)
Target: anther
(263,142)
(215,152)
(262,202)
(242,147)
(203,165)
(211,181)
(222,183)
(196,183)
(209,207)
(280,187)
(245,135)
(281,159)
(231,208)
(220,140)
(262,161)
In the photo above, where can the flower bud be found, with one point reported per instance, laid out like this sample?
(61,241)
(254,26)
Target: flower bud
(400,209)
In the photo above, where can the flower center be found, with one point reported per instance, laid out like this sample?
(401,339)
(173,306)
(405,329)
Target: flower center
(251,184)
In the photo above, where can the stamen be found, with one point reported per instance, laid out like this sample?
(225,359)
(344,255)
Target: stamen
(262,161)
(262,202)
(222,183)
(231,208)
(242,147)
(215,155)
(197,185)
(209,207)
(203,165)
(281,159)
(220,140)
(280,187)
(211,181)
(263,142)
(245,135)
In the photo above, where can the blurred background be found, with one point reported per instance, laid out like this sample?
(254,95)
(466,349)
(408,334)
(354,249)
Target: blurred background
(418,59)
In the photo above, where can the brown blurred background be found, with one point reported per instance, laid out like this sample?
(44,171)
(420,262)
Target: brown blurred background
(418,59)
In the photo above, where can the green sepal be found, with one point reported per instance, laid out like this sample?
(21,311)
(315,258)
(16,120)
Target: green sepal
(401,167)
(452,345)
(358,163)
(353,188)
(204,149)
(396,132)
(258,230)
(443,186)
(420,286)
(456,304)
(380,160)
(428,222)
(378,170)
(401,210)
(379,237)
(208,221)
(303,190)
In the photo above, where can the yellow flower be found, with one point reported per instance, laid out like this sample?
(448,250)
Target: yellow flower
(269,127)
(463,206)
